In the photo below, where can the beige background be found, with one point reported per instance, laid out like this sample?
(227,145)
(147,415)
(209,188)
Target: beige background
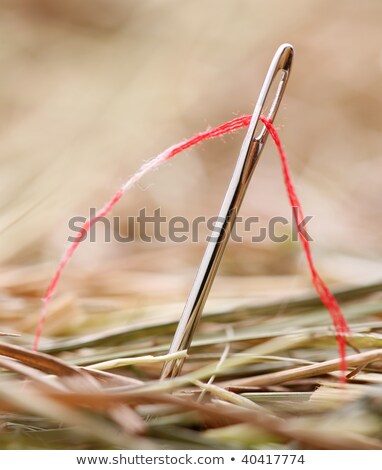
(91,89)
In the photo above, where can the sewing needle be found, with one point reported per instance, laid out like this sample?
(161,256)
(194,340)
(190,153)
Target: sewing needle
(246,163)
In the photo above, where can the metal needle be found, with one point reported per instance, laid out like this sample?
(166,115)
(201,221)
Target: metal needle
(246,163)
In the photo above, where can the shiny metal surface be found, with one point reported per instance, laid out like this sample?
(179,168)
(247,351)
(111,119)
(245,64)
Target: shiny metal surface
(246,163)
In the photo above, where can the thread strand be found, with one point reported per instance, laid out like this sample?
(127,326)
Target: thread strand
(339,322)
(340,325)
(225,128)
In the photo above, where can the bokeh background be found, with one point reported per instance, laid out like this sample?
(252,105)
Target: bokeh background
(91,89)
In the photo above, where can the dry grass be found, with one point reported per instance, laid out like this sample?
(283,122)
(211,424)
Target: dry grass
(276,388)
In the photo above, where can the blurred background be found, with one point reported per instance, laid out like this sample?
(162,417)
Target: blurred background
(89,90)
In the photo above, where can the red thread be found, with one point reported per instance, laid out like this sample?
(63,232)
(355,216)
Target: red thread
(327,298)
(339,322)
(225,128)
(64,260)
